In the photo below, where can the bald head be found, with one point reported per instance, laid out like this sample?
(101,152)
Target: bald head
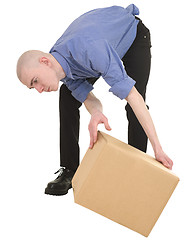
(39,70)
(28,60)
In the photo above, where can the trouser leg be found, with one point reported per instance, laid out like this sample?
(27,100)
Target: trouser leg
(69,128)
(137,62)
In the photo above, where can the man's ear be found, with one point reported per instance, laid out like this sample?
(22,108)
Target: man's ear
(45,60)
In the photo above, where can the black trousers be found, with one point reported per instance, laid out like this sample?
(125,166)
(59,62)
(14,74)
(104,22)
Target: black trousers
(137,65)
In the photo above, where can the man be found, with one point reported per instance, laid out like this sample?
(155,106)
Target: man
(109,42)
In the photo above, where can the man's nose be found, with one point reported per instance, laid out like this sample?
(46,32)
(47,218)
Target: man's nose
(39,89)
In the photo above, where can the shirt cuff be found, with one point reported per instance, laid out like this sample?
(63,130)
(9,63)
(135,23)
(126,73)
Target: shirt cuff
(82,91)
(122,88)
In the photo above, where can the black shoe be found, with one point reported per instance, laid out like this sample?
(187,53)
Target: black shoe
(61,184)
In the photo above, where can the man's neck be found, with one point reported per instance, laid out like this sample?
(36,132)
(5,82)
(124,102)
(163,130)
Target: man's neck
(58,68)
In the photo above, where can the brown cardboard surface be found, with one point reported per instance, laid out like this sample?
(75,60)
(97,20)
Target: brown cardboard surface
(123,184)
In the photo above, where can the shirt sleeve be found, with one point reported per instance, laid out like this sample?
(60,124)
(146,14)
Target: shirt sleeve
(105,60)
(79,89)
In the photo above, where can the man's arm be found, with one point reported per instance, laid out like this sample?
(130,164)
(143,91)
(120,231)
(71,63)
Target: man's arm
(94,107)
(138,105)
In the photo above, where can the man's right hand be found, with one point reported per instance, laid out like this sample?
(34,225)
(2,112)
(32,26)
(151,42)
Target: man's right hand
(96,118)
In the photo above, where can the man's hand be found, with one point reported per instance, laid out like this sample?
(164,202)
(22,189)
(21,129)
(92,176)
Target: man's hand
(164,159)
(94,107)
(96,118)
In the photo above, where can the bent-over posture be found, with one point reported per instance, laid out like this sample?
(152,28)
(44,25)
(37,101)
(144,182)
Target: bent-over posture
(111,43)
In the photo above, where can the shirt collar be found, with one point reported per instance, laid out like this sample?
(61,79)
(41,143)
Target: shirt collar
(63,62)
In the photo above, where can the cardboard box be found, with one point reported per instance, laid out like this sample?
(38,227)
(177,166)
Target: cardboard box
(123,184)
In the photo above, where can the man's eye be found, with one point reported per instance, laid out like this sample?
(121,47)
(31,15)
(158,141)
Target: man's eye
(35,80)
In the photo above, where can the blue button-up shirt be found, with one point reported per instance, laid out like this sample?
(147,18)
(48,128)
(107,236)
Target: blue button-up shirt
(93,46)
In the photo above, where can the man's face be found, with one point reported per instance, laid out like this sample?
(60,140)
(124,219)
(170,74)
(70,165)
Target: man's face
(42,78)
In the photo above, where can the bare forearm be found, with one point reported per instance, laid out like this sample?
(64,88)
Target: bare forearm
(139,107)
(93,104)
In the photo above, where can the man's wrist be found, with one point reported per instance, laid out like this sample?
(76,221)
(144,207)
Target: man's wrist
(157,149)
(96,111)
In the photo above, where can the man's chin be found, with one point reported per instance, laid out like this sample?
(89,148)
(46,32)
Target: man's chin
(54,89)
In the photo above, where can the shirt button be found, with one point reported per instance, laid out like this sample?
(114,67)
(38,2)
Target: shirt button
(145,36)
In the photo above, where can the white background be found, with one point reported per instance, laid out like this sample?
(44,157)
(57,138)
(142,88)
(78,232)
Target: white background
(29,127)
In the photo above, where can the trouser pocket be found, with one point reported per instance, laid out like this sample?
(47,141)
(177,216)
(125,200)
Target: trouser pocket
(143,36)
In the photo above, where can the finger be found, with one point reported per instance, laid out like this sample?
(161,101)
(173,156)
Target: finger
(163,162)
(169,161)
(91,145)
(91,135)
(166,164)
(170,165)
(91,141)
(106,124)
(95,135)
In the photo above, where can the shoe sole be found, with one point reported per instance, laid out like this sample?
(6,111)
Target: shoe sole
(56,192)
